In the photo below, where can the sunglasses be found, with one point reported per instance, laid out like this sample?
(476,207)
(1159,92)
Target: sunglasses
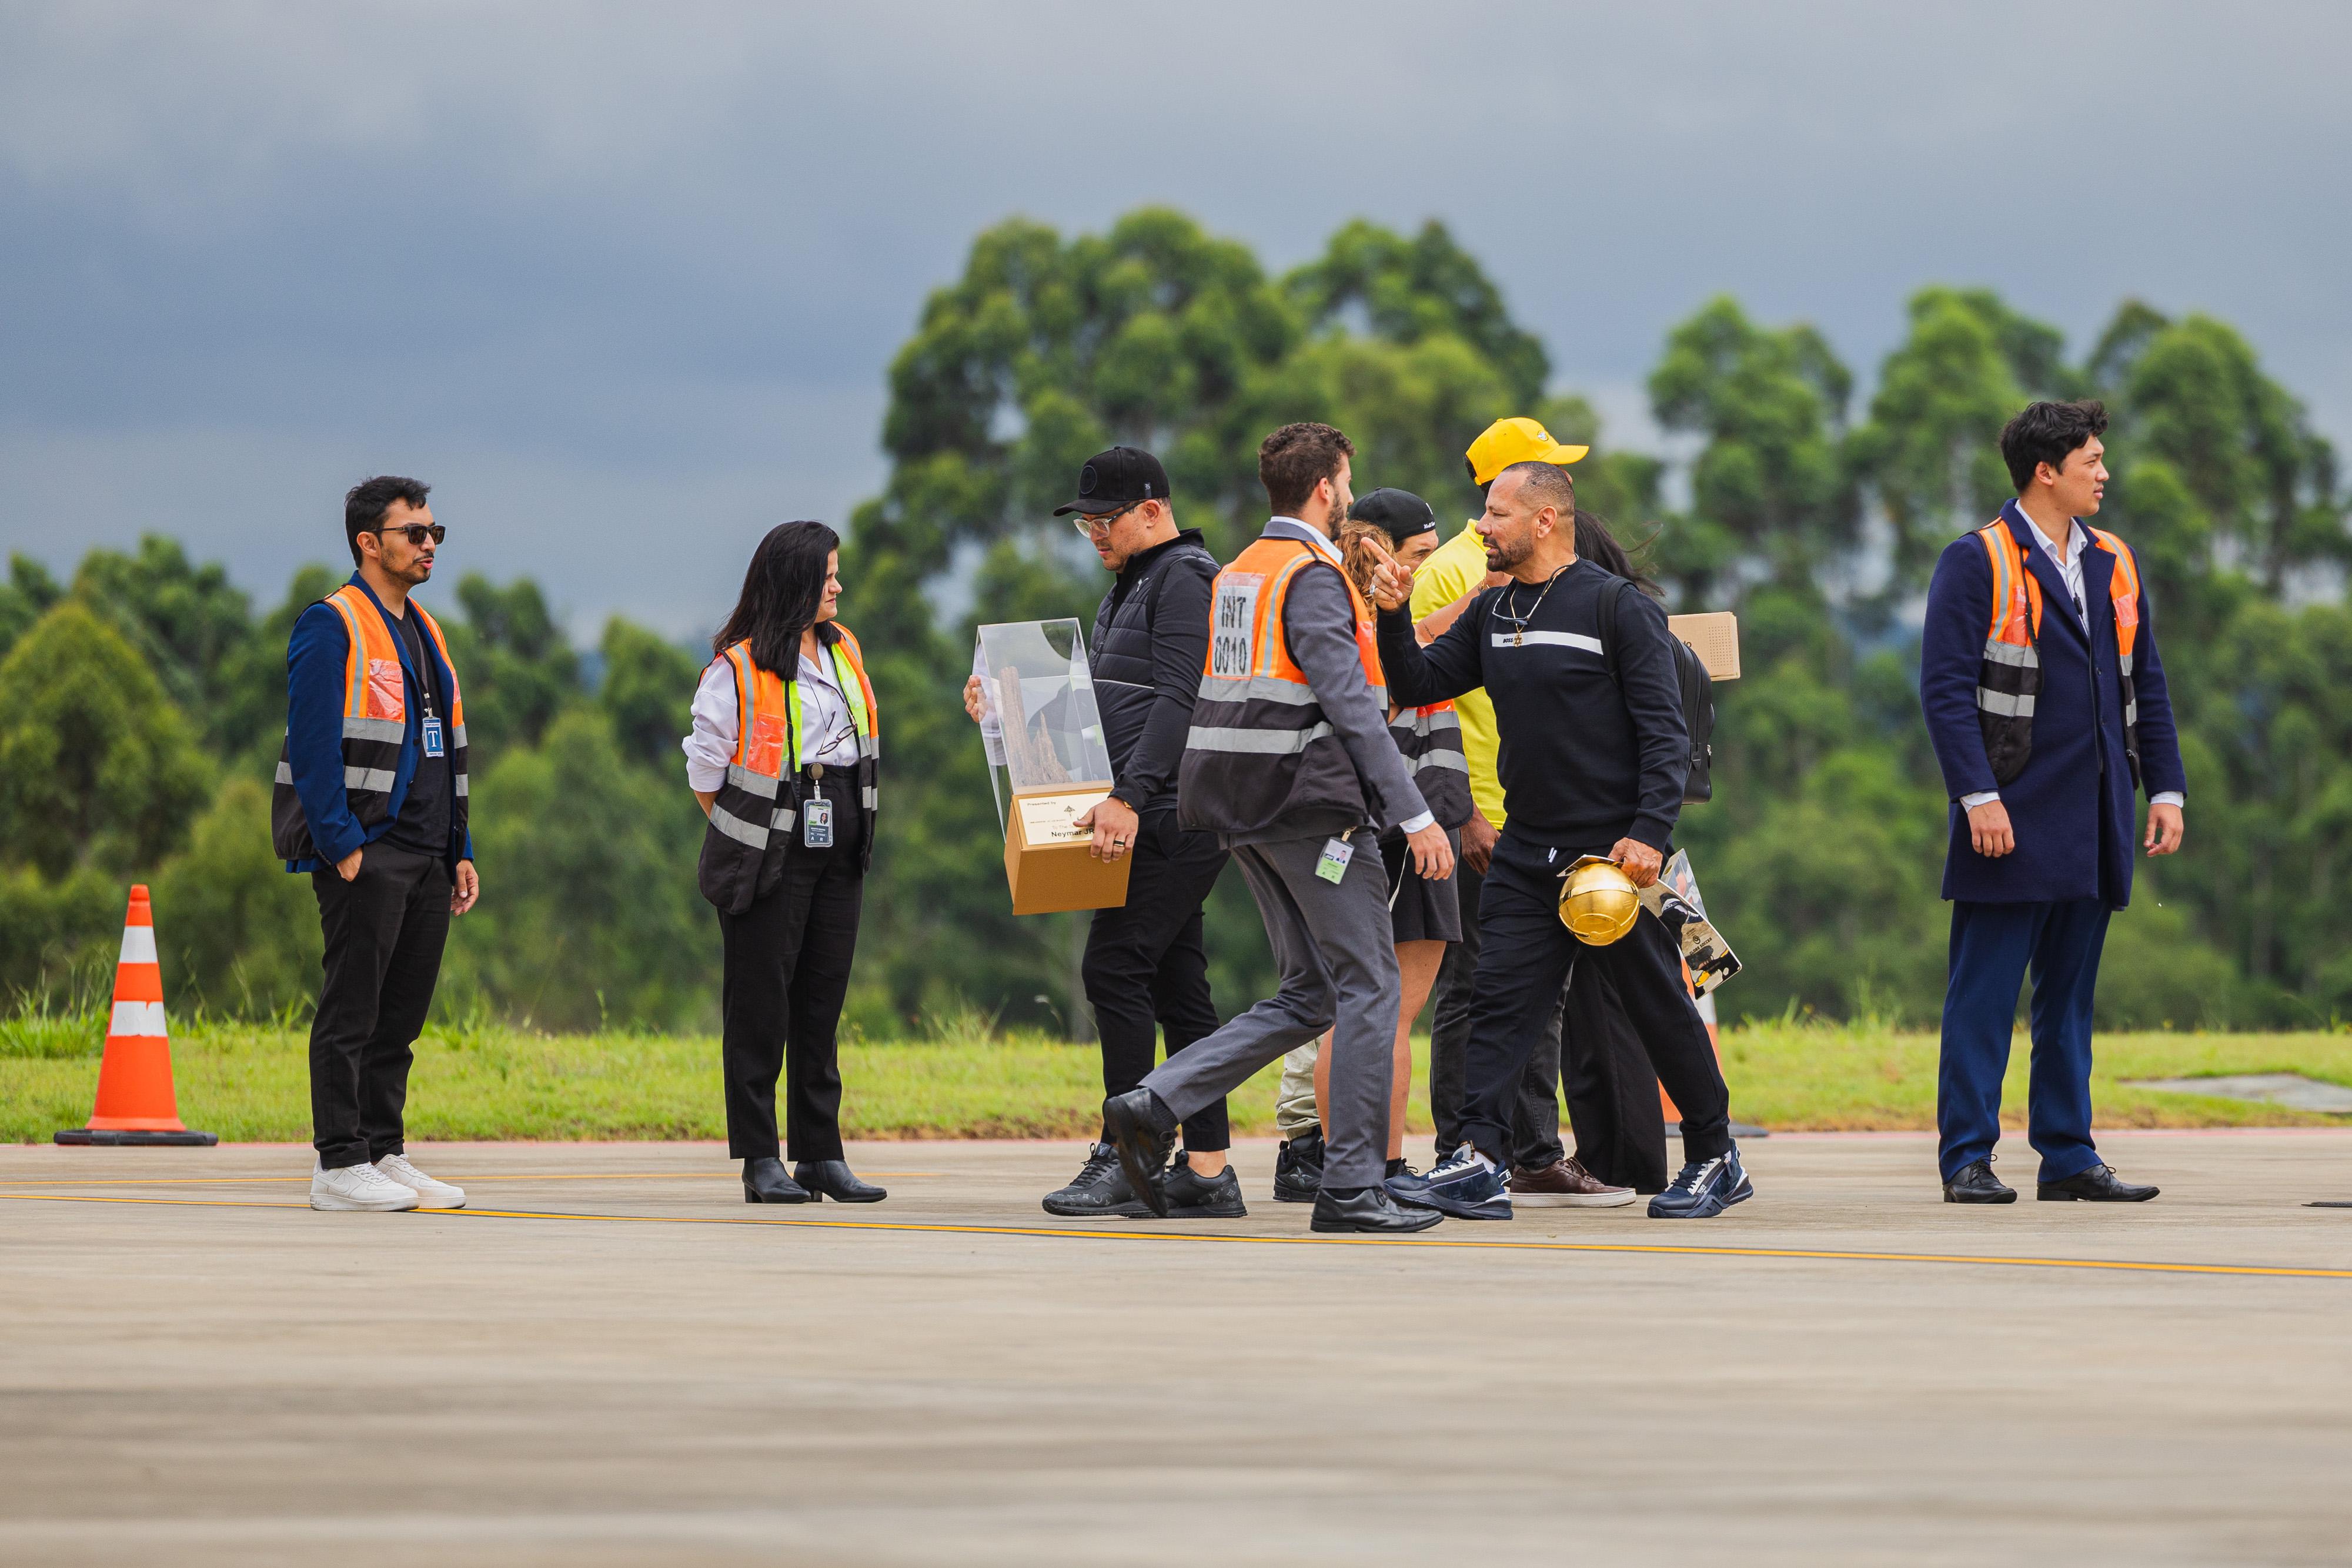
(418,533)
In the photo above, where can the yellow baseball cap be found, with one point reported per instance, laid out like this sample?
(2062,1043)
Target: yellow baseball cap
(1509,441)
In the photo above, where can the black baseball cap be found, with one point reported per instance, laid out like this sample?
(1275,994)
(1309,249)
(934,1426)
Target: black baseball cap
(1399,513)
(1119,478)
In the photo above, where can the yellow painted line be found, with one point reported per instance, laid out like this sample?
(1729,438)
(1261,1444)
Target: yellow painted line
(532,1176)
(1149,1231)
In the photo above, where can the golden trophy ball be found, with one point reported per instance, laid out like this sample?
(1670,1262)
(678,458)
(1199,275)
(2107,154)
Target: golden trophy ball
(1598,903)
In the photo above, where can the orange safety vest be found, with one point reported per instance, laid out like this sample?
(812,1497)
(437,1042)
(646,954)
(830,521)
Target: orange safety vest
(754,816)
(1430,740)
(2010,677)
(376,721)
(1260,750)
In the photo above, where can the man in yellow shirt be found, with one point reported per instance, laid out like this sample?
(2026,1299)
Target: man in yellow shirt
(1542,1173)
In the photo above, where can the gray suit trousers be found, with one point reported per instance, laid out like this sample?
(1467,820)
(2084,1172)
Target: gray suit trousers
(1333,943)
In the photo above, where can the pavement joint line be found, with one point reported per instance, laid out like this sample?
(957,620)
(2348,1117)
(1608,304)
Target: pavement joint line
(942,1227)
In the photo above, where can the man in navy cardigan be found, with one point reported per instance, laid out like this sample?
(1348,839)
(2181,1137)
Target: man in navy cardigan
(371,802)
(2033,719)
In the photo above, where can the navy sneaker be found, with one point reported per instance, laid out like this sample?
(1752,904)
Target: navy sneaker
(1467,1187)
(1705,1188)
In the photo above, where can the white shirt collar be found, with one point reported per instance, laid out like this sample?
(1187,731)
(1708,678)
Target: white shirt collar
(2075,537)
(1312,535)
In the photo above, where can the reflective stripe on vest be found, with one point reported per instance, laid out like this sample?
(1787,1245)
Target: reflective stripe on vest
(2008,677)
(1430,741)
(1260,748)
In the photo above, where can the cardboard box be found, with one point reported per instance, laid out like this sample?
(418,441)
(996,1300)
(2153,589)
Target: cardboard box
(1715,638)
(1045,859)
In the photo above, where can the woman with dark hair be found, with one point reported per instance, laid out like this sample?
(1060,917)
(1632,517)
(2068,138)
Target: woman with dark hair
(784,757)
(1425,916)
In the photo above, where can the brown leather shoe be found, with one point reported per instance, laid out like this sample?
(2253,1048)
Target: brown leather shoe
(1565,1185)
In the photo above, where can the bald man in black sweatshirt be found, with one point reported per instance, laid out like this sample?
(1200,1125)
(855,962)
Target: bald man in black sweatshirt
(1592,762)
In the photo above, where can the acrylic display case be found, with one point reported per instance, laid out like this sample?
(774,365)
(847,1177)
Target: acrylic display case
(1047,764)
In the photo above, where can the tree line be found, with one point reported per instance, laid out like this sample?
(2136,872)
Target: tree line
(142,702)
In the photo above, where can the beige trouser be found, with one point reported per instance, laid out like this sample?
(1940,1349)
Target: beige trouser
(1294,1106)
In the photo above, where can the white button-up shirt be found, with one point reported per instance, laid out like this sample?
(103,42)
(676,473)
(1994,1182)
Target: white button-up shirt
(832,738)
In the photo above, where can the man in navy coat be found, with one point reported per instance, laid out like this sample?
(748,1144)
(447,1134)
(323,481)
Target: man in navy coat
(2046,702)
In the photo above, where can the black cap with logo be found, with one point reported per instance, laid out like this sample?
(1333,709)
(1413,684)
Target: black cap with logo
(1118,477)
(1399,513)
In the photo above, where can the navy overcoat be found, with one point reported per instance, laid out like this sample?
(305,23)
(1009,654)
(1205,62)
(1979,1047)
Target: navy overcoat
(2072,808)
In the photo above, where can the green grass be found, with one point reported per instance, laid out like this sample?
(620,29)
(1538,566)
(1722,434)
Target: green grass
(483,1081)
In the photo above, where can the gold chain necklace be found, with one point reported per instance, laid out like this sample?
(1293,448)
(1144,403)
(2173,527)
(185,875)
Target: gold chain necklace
(1519,622)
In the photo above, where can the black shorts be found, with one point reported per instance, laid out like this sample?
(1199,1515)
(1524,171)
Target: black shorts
(1421,910)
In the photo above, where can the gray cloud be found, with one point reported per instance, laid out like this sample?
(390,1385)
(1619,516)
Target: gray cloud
(623,285)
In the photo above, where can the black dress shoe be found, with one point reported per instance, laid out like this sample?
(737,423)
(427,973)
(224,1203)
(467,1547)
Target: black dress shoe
(765,1181)
(835,1180)
(1371,1212)
(2098,1185)
(1134,1122)
(1975,1183)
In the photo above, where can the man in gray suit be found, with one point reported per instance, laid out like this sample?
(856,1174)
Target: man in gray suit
(1289,762)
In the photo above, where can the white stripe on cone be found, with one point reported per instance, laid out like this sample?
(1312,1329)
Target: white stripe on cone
(137,1019)
(138,944)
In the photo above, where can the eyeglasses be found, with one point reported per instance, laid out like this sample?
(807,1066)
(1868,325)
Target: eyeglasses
(417,532)
(1100,524)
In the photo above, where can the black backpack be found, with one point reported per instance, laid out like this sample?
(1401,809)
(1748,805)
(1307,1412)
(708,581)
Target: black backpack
(1698,698)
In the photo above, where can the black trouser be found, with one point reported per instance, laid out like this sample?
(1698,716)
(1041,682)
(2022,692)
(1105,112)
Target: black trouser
(1613,1094)
(1145,969)
(385,931)
(1527,959)
(788,958)
(1535,1118)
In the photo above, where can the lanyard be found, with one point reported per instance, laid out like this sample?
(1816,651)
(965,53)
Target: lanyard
(852,695)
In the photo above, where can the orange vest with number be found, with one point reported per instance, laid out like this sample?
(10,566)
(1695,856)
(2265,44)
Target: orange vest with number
(1261,751)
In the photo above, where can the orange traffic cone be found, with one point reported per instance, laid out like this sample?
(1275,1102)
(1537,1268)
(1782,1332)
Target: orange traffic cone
(135,1103)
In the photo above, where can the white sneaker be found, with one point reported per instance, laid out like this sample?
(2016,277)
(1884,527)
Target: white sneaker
(357,1186)
(430,1194)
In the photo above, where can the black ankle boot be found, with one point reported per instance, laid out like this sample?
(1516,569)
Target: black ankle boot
(765,1181)
(835,1180)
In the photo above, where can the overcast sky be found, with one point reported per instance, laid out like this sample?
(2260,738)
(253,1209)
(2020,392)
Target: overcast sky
(622,282)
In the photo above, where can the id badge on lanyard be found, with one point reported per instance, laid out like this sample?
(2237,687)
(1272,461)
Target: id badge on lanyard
(817,823)
(432,737)
(1337,853)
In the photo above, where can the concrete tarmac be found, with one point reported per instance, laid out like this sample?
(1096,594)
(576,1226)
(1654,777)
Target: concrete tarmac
(611,1359)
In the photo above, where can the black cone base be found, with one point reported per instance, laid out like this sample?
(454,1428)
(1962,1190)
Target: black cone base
(138,1140)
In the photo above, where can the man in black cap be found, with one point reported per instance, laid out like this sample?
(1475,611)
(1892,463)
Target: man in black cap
(1145,969)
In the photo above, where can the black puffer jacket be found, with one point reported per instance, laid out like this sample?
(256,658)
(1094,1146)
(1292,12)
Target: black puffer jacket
(1151,642)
